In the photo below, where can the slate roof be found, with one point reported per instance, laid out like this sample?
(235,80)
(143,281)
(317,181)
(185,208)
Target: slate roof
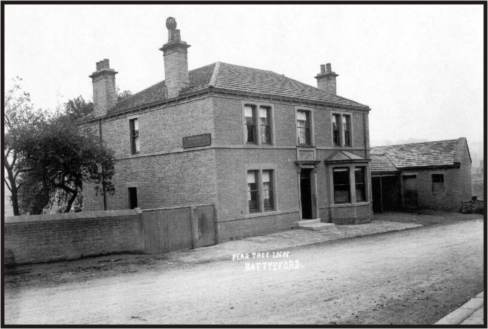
(381,163)
(427,154)
(237,79)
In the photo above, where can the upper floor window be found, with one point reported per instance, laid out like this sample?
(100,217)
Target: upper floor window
(346,124)
(134,136)
(304,136)
(265,124)
(341,129)
(250,122)
(133,198)
(257,121)
(336,131)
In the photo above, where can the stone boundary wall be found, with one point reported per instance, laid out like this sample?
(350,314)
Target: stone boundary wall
(43,238)
(56,237)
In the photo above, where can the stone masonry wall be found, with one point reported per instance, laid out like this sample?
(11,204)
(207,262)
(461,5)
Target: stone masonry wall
(229,123)
(234,158)
(164,174)
(454,194)
(178,179)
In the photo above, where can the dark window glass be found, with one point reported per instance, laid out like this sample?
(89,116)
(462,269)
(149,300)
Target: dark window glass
(253,191)
(360,178)
(265,124)
(250,121)
(437,183)
(268,190)
(336,119)
(346,121)
(134,136)
(341,185)
(303,128)
(132,197)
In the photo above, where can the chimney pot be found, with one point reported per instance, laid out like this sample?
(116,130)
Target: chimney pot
(326,79)
(104,92)
(103,64)
(175,55)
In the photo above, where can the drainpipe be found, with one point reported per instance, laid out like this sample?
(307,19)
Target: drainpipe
(369,178)
(103,176)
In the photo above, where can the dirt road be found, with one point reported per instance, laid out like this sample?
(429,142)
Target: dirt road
(409,277)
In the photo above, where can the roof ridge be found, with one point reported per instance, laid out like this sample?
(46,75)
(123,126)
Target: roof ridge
(247,67)
(215,72)
(427,142)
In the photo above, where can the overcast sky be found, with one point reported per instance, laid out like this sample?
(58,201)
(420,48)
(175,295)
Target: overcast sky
(419,68)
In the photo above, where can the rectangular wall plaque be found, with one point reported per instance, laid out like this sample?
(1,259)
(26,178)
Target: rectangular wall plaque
(306,154)
(197,141)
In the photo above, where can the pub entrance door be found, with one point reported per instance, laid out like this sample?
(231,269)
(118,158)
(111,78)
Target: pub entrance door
(306,193)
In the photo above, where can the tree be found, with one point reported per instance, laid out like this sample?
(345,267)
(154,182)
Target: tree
(61,158)
(21,122)
(48,157)
(77,108)
(123,95)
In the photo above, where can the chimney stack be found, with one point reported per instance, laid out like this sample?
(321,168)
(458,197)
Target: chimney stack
(326,79)
(175,60)
(104,93)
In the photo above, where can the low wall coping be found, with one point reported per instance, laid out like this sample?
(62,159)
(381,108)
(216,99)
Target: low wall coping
(83,215)
(177,207)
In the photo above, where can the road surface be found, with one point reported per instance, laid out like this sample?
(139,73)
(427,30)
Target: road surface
(409,277)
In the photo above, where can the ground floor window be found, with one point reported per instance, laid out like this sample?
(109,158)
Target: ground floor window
(268,200)
(252,191)
(341,185)
(360,178)
(132,197)
(437,183)
(346,181)
(260,183)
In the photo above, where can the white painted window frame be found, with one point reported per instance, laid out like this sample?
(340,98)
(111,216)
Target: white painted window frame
(312,126)
(258,126)
(341,129)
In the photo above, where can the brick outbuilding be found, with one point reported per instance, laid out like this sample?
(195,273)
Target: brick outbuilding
(432,175)
(266,150)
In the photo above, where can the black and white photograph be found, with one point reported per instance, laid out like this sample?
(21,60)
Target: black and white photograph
(318,164)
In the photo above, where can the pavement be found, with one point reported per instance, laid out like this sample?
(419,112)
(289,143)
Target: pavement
(287,239)
(469,313)
(382,223)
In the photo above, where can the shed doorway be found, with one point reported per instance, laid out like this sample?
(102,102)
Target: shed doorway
(410,198)
(386,193)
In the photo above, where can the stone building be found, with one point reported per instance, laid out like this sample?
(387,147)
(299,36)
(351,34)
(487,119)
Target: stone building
(432,175)
(266,150)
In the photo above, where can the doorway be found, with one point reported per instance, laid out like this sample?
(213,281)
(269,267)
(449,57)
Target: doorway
(410,197)
(386,193)
(306,193)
